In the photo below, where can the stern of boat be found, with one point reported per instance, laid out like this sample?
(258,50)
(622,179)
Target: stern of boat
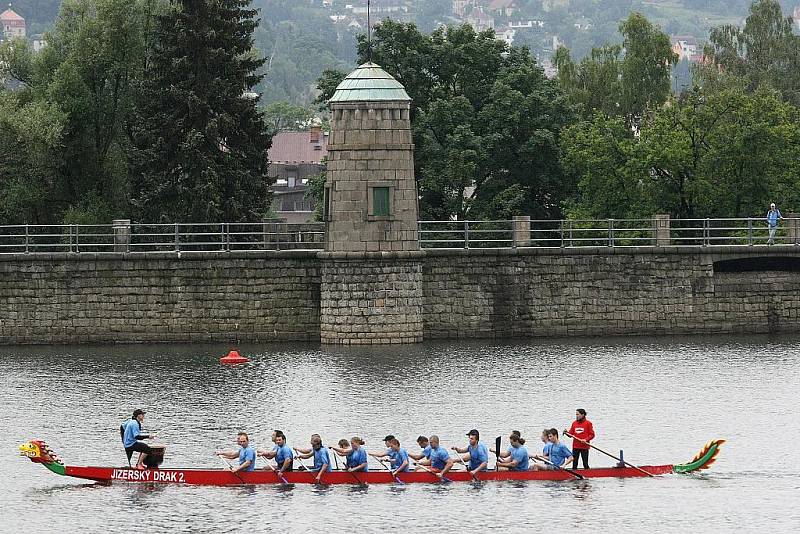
(701,460)
(38,452)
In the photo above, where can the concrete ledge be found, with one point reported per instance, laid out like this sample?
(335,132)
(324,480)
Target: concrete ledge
(373,256)
(173,256)
(755,250)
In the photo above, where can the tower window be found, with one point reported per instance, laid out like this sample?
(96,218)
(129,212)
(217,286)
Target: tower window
(380,202)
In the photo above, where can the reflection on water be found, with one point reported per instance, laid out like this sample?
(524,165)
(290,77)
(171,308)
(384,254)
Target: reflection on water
(659,399)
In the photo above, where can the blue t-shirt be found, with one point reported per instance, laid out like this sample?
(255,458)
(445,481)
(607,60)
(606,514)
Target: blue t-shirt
(520,454)
(439,458)
(426,452)
(399,457)
(356,458)
(546,449)
(477,455)
(247,453)
(773,216)
(321,458)
(132,429)
(281,454)
(559,453)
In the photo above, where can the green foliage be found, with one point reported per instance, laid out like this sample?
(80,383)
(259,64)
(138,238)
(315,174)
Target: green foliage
(486,121)
(30,137)
(725,154)
(627,80)
(763,53)
(598,153)
(86,76)
(286,116)
(201,144)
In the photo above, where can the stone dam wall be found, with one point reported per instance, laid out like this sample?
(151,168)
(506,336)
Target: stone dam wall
(280,296)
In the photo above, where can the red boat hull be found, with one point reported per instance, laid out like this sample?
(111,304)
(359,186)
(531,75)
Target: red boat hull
(220,477)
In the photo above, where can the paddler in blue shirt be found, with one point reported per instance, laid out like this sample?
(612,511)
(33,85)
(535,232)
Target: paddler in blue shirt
(322,462)
(437,457)
(516,458)
(558,454)
(246,454)
(399,459)
(132,433)
(389,451)
(355,455)
(270,454)
(283,454)
(477,454)
(424,444)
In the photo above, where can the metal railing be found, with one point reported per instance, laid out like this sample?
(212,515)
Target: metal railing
(605,233)
(224,237)
(179,237)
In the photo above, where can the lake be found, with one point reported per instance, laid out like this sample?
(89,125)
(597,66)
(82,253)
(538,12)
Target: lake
(659,399)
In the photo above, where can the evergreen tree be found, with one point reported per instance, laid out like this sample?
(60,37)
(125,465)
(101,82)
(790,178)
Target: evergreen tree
(201,143)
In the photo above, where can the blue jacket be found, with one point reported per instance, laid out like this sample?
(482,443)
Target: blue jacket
(131,435)
(773,216)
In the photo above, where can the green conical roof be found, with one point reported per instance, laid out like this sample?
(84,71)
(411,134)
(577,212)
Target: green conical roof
(369,83)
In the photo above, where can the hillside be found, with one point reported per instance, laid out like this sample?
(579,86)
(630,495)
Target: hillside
(301,38)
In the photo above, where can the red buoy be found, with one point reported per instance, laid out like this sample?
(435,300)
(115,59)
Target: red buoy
(233,357)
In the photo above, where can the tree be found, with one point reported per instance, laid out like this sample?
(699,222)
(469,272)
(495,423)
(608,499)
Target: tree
(88,74)
(645,72)
(201,144)
(724,154)
(286,116)
(765,52)
(599,154)
(486,121)
(30,137)
(627,80)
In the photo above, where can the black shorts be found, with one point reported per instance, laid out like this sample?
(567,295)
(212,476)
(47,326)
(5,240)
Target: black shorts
(139,446)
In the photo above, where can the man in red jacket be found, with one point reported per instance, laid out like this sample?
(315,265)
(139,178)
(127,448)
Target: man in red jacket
(581,429)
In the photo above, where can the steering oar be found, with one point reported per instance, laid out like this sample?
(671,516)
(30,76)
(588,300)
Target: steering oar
(608,454)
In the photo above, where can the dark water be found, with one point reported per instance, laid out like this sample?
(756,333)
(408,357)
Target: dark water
(659,399)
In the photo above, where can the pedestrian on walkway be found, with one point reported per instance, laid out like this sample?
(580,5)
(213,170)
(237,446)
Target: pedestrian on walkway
(773,216)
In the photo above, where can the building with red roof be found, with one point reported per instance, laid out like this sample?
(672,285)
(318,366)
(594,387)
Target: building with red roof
(295,158)
(12,24)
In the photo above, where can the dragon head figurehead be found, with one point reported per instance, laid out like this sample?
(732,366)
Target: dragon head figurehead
(38,452)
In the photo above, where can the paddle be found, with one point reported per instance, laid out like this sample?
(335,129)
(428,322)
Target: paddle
(388,468)
(608,454)
(570,471)
(335,457)
(458,455)
(277,472)
(235,473)
(352,474)
(439,475)
(497,442)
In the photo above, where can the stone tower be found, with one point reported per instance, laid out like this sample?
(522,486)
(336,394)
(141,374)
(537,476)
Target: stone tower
(371,267)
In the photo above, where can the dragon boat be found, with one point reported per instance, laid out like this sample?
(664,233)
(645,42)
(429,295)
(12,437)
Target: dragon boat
(38,452)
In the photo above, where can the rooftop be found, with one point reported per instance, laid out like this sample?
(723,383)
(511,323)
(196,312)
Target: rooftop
(10,14)
(298,147)
(369,83)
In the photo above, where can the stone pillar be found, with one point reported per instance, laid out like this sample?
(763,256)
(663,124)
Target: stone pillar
(122,234)
(792,228)
(661,229)
(371,288)
(522,230)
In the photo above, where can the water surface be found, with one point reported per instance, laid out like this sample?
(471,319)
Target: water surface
(660,399)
